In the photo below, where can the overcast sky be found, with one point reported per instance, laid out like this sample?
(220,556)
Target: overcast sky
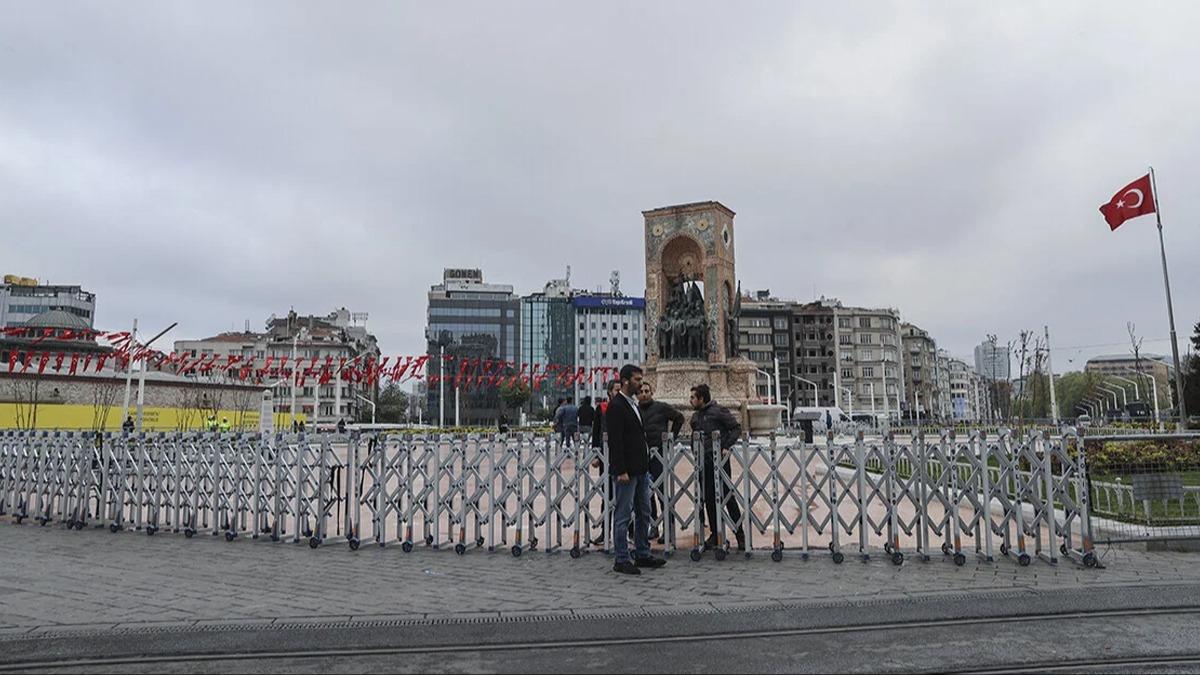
(209,163)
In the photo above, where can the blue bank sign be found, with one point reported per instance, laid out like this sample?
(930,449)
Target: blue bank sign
(608,302)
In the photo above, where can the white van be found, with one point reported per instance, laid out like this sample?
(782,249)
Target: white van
(840,419)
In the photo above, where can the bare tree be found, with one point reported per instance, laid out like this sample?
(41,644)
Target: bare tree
(24,395)
(104,396)
(1135,346)
(243,400)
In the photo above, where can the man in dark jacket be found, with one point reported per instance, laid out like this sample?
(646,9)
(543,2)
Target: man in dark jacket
(657,418)
(715,421)
(599,427)
(629,464)
(586,415)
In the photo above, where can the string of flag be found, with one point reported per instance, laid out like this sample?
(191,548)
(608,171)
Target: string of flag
(458,371)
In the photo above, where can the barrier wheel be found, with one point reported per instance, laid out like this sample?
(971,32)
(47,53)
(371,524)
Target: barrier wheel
(887,547)
(777,555)
(960,559)
(838,557)
(831,547)
(945,549)
(406,547)
(429,540)
(533,542)
(114,528)
(313,542)
(460,548)
(897,558)
(43,521)
(695,555)
(18,519)
(150,530)
(189,532)
(79,524)
(230,535)
(516,551)
(307,532)
(575,552)
(1023,560)
(1003,549)
(720,553)
(353,543)
(1089,559)
(1062,548)
(479,542)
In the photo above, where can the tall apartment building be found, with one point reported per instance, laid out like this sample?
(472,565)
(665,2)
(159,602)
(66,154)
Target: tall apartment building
(870,371)
(992,361)
(22,298)
(337,335)
(968,398)
(765,333)
(921,371)
(944,407)
(814,371)
(470,319)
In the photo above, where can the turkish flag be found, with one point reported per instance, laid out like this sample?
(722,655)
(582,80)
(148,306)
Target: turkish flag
(1131,201)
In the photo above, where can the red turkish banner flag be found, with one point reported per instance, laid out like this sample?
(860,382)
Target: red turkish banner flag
(1133,200)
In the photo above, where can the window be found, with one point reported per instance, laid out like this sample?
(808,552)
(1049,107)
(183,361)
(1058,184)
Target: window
(625,325)
(845,339)
(865,338)
(864,322)
(847,356)
(844,322)
(847,373)
(867,355)
(781,322)
(781,340)
(582,341)
(868,371)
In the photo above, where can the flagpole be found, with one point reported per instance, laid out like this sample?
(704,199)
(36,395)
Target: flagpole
(1170,308)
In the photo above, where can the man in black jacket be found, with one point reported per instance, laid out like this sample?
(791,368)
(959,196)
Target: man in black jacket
(715,421)
(629,464)
(586,416)
(657,418)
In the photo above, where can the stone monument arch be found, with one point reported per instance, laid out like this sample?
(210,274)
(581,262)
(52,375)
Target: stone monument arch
(692,308)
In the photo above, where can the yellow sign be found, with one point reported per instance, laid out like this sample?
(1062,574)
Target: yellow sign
(64,416)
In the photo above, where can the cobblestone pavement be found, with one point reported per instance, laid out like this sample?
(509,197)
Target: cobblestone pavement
(55,580)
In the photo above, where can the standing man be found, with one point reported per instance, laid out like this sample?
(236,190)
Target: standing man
(658,418)
(566,420)
(629,463)
(586,415)
(715,421)
(599,428)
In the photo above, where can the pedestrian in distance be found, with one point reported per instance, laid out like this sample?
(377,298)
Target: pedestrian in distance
(658,418)
(127,425)
(629,464)
(341,426)
(566,420)
(714,421)
(224,428)
(586,415)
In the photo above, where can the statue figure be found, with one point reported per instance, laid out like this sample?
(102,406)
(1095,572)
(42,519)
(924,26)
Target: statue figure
(682,326)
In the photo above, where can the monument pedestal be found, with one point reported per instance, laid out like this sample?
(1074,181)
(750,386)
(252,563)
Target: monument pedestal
(731,384)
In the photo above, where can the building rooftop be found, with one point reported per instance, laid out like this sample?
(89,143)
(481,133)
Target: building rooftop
(57,318)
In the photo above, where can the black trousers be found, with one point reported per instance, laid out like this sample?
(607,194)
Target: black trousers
(656,470)
(710,496)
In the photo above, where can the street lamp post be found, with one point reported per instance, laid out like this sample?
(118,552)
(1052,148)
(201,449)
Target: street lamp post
(369,402)
(810,383)
(1153,395)
(849,400)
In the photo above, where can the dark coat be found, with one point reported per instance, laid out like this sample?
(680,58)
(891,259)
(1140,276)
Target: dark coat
(627,450)
(656,418)
(586,415)
(715,418)
(599,425)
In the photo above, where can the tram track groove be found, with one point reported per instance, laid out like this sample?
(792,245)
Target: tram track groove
(200,657)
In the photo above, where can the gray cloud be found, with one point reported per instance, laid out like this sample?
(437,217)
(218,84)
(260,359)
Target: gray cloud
(221,162)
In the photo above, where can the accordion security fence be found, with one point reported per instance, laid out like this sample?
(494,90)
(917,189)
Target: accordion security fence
(950,495)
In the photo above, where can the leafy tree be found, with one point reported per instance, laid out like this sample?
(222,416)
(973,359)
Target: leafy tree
(393,405)
(1191,374)
(515,394)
